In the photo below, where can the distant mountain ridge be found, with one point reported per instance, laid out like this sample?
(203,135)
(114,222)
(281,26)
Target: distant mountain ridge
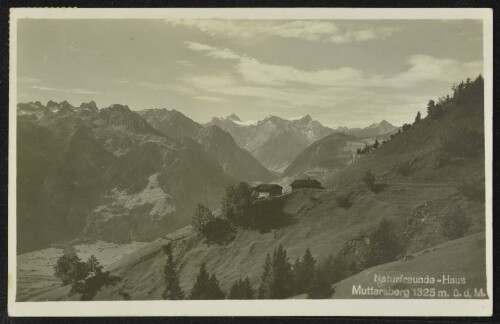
(219,144)
(374,130)
(274,141)
(171,122)
(235,161)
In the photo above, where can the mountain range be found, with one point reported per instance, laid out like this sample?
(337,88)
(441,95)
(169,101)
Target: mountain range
(119,175)
(276,142)
(107,174)
(423,173)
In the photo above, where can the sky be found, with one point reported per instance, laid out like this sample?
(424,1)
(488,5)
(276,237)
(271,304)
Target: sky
(341,72)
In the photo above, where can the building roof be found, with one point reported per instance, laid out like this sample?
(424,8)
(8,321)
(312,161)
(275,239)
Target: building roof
(267,187)
(309,183)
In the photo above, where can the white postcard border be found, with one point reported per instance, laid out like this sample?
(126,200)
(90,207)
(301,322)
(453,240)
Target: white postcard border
(290,307)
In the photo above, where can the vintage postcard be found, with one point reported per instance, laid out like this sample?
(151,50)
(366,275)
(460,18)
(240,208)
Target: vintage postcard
(256,162)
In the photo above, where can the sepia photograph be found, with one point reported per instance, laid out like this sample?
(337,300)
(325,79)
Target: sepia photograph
(250,162)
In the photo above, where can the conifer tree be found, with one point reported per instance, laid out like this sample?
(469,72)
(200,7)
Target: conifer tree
(241,289)
(172,290)
(282,281)
(206,286)
(213,289)
(201,284)
(418,118)
(265,280)
(304,271)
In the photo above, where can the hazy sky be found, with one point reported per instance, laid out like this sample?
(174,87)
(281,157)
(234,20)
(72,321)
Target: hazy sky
(342,73)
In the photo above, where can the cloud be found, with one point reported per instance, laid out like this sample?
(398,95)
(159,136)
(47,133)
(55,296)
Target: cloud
(208,98)
(309,30)
(422,69)
(74,90)
(342,92)
(215,52)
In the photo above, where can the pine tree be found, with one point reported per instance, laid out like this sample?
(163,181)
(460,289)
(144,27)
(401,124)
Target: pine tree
(241,289)
(320,284)
(418,118)
(376,144)
(206,286)
(431,108)
(304,271)
(201,284)
(266,278)
(282,281)
(172,290)
(213,289)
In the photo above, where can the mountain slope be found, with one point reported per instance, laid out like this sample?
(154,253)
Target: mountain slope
(106,174)
(235,161)
(375,130)
(327,155)
(420,185)
(274,141)
(172,123)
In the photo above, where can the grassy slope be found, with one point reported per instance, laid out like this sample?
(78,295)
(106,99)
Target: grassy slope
(454,257)
(423,196)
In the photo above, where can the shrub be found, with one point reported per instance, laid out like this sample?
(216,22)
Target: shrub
(455,223)
(219,231)
(369,180)
(215,230)
(69,268)
(406,127)
(344,201)
(237,203)
(386,243)
(86,278)
(202,216)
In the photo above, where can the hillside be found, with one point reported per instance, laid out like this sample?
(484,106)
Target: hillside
(274,141)
(171,122)
(325,156)
(466,254)
(235,161)
(106,174)
(422,174)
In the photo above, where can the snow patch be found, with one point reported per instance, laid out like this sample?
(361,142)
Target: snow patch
(244,123)
(297,118)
